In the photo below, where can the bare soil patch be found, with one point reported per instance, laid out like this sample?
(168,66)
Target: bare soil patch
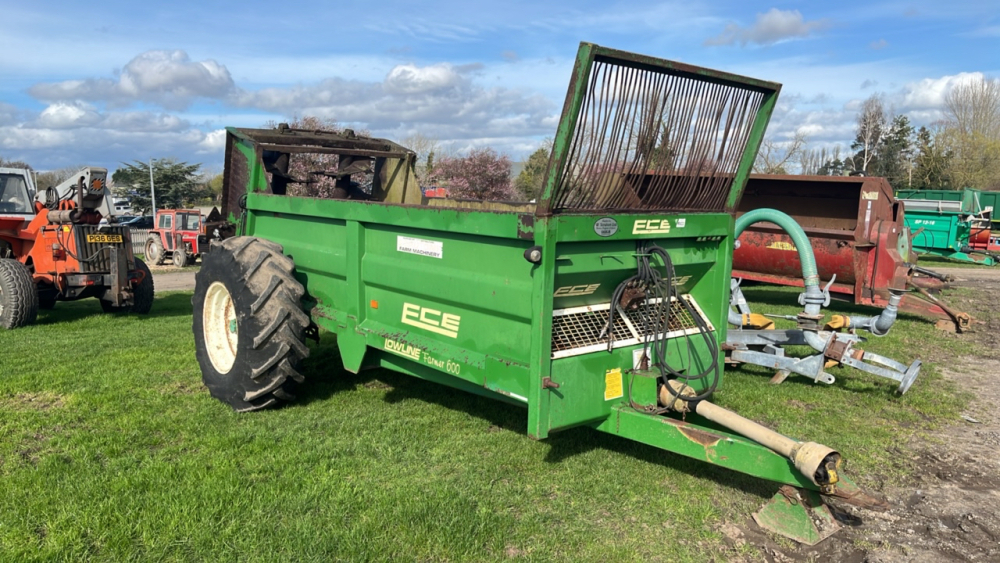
(32,401)
(951,509)
(177,280)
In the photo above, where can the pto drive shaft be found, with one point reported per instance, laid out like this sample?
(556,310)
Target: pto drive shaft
(816,462)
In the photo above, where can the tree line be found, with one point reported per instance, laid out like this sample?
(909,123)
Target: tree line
(961,150)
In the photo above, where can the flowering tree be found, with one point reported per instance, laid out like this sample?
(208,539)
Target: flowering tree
(483,174)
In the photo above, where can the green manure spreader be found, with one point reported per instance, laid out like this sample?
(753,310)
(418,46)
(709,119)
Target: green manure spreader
(604,303)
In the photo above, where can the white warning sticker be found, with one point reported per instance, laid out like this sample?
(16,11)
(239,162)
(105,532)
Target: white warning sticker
(423,247)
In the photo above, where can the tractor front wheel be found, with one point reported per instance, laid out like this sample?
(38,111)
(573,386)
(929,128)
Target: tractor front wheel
(18,295)
(154,250)
(142,294)
(249,326)
(180,257)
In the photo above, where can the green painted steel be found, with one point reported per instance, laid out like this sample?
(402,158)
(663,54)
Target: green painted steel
(973,201)
(447,294)
(943,233)
(949,232)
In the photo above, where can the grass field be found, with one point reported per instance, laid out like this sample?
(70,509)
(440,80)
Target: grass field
(110,449)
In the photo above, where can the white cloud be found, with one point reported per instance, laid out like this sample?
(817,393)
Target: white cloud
(769,28)
(167,78)
(144,121)
(68,116)
(930,93)
(76,115)
(214,142)
(47,148)
(441,101)
(878,45)
(410,79)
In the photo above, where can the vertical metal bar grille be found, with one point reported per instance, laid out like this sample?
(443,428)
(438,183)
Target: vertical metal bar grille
(651,138)
(94,258)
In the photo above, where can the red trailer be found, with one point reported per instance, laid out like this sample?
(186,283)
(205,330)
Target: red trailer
(857,233)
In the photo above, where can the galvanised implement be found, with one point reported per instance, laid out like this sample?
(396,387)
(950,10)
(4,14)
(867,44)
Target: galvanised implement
(763,345)
(603,304)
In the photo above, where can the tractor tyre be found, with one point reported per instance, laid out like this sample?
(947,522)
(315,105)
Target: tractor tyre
(180,257)
(249,326)
(142,294)
(18,295)
(154,251)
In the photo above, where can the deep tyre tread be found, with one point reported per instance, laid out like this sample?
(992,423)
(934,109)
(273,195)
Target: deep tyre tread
(270,336)
(144,292)
(18,295)
(142,296)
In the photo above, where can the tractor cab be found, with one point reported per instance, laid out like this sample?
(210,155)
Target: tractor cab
(178,236)
(15,196)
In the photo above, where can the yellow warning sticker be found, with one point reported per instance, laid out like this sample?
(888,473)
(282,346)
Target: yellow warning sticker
(613,384)
(782,245)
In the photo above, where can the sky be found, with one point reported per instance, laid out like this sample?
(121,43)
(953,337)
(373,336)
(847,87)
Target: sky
(103,83)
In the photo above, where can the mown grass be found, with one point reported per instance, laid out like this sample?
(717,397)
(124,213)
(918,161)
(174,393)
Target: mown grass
(110,449)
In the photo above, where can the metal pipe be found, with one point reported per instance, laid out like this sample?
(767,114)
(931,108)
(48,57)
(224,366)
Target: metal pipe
(816,462)
(816,340)
(735,319)
(878,325)
(882,323)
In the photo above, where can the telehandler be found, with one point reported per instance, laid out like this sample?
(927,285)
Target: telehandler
(53,248)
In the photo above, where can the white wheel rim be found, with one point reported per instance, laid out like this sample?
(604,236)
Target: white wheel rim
(220,327)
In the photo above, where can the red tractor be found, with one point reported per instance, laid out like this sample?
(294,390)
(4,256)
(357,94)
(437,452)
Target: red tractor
(179,235)
(56,249)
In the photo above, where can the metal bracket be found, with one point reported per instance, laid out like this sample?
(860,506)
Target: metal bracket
(797,514)
(736,298)
(811,366)
(117,275)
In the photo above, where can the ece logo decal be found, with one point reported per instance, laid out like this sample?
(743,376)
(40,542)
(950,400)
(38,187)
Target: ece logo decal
(431,319)
(651,227)
(571,290)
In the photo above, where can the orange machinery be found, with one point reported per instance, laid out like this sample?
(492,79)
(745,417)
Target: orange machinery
(55,248)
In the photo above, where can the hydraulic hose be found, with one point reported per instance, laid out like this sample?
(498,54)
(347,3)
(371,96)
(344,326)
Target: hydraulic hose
(814,297)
